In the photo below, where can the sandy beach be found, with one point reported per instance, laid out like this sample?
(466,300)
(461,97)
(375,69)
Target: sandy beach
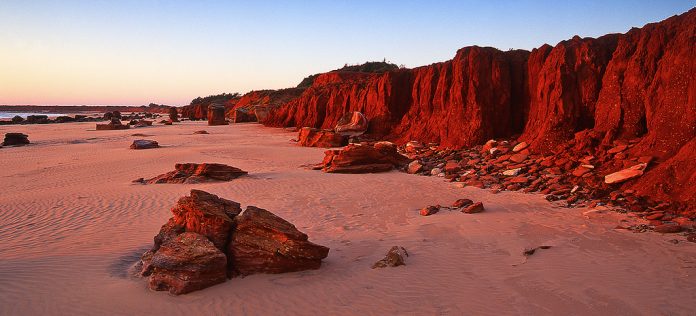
(72,223)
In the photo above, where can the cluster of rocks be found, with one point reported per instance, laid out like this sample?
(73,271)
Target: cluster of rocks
(15,139)
(363,158)
(114,124)
(210,239)
(350,126)
(577,174)
(463,205)
(196,173)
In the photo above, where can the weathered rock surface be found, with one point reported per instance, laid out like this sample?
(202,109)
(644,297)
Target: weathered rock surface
(207,240)
(351,124)
(363,158)
(186,263)
(625,174)
(15,139)
(620,87)
(173,114)
(115,124)
(144,144)
(313,137)
(216,115)
(198,173)
(265,243)
(394,258)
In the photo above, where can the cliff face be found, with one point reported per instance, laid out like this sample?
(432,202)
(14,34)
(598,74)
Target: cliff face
(270,98)
(623,86)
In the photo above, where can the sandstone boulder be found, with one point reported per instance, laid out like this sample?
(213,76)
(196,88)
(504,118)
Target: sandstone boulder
(394,258)
(173,114)
(312,137)
(187,263)
(207,240)
(15,139)
(242,116)
(265,243)
(115,124)
(197,173)
(144,144)
(625,174)
(363,158)
(216,115)
(351,124)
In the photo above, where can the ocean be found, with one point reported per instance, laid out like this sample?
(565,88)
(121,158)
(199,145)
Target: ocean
(9,115)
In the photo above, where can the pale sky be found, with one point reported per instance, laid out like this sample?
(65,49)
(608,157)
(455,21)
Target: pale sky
(137,52)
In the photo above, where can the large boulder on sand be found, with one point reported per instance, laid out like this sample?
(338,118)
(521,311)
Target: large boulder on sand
(265,243)
(144,144)
(197,173)
(313,137)
(187,263)
(351,124)
(216,115)
(363,158)
(115,124)
(207,239)
(15,139)
(173,114)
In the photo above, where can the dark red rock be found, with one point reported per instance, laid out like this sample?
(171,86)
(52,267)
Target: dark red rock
(216,115)
(115,124)
(173,114)
(186,263)
(474,208)
(144,144)
(351,124)
(265,243)
(668,229)
(197,173)
(462,203)
(312,137)
(15,139)
(429,210)
(356,158)
(201,132)
(394,258)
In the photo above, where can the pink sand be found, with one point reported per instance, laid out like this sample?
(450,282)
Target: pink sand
(71,222)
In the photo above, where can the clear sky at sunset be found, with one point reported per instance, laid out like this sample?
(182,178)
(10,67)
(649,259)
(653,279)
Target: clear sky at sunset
(137,52)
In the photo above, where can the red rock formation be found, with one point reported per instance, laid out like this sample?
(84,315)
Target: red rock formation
(197,173)
(207,238)
(216,115)
(173,114)
(619,86)
(313,137)
(363,158)
(115,124)
(186,263)
(265,243)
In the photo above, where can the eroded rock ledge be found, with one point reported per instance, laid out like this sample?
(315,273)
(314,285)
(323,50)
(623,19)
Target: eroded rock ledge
(209,239)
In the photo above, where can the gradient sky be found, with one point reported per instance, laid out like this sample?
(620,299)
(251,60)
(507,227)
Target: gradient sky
(137,52)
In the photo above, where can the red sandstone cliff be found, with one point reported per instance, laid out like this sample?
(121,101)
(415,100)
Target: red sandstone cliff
(623,86)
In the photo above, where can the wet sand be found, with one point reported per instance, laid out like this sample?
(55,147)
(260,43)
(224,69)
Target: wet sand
(71,223)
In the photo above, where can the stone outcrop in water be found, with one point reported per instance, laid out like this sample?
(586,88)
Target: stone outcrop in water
(207,240)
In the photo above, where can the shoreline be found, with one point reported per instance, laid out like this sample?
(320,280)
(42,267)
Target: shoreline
(75,241)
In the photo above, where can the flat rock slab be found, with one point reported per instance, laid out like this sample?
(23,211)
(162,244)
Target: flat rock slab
(197,173)
(144,144)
